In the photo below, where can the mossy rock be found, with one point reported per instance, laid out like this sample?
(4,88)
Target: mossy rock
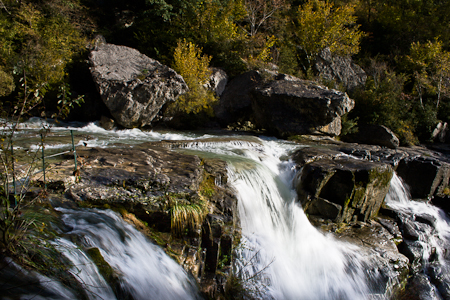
(343,190)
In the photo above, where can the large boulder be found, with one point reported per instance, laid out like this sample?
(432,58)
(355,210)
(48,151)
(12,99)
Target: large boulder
(133,86)
(290,106)
(235,104)
(343,190)
(341,69)
(374,135)
(424,175)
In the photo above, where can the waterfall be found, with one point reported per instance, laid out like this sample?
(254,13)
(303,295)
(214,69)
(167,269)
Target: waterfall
(399,199)
(145,271)
(282,256)
(431,226)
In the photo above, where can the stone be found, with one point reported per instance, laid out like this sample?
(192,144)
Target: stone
(355,188)
(107,123)
(440,133)
(424,176)
(383,263)
(217,81)
(235,103)
(374,135)
(341,69)
(420,287)
(133,86)
(289,106)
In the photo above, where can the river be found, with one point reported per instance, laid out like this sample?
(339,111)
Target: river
(281,255)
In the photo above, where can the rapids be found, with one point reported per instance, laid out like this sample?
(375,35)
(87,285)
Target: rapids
(281,255)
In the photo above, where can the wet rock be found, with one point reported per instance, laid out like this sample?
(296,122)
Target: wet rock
(310,154)
(356,187)
(145,179)
(392,227)
(421,288)
(133,86)
(288,106)
(424,175)
(384,263)
(107,123)
(440,276)
(442,201)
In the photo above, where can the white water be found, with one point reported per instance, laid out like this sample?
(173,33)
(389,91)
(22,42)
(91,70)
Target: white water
(399,199)
(282,256)
(145,271)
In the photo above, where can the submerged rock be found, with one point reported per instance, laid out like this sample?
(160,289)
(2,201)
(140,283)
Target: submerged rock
(133,86)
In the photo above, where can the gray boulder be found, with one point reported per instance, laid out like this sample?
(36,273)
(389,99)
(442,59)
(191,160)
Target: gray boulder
(374,135)
(425,175)
(343,190)
(133,86)
(217,81)
(235,104)
(341,69)
(291,106)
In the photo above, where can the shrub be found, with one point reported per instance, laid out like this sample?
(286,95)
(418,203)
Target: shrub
(193,66)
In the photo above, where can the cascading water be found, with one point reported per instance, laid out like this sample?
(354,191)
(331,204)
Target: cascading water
(145,271)
(282,256)
(432,226)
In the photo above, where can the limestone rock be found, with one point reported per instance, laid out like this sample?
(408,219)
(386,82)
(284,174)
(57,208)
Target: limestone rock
(133,86)
(343,190)
(341,69)
(217,81)
(290,106)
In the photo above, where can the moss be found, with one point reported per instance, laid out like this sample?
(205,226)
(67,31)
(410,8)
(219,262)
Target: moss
(382,175)
(104,268)
(207,187)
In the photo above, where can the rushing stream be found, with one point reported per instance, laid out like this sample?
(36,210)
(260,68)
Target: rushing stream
(281,256)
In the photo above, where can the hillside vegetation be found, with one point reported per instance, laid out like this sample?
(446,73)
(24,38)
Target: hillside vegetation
(402,45)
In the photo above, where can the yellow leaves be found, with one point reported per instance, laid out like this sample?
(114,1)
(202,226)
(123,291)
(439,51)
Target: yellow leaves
(193,67)
(264,55)
(322,25)
(215,23)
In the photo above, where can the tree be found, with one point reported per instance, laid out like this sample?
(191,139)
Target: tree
(431,69)
(35,50)
(193,66)
(320,25)
(259,11)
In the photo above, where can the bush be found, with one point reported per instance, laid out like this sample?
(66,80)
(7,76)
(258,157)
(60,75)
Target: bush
(193,67)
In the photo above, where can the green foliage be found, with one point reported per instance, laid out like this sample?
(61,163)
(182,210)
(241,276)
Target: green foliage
(193,67)
(36,49)
(349,126)
(383,102)
(322,25)
(6,83)
(430,65)
(186,215)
